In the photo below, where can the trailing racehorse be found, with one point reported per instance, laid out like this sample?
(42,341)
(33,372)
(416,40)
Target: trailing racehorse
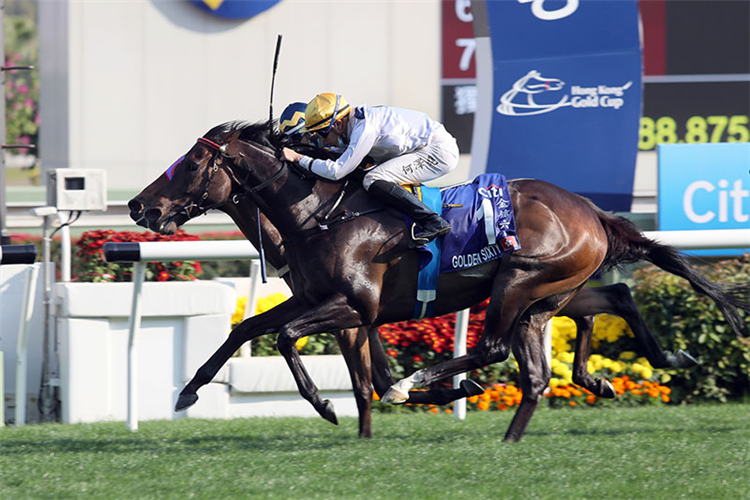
(363,272)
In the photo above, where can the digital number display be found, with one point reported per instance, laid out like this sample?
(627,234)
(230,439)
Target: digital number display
(694,113)
(696,130)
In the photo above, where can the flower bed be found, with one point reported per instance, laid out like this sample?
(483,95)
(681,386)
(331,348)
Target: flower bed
(89,264)
(674,313)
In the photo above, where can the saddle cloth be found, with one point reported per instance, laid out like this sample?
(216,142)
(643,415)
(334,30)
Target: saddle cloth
(482,229)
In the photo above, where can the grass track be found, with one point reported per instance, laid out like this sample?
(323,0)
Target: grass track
(631,453)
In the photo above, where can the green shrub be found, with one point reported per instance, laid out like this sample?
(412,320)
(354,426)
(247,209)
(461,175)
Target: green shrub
(682,319)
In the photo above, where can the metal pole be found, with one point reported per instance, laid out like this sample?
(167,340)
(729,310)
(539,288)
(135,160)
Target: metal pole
(252,302)
(459,349)
(65,250)
(48,402)
(139,274)
(22,346)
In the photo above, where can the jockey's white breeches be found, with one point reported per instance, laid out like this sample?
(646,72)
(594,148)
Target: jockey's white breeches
(429,162)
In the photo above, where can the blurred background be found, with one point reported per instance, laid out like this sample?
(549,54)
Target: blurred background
(128,86)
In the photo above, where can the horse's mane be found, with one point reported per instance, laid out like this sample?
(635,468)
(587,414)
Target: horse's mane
(265,133)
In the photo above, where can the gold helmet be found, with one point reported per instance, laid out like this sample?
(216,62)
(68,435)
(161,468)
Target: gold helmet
(319,114)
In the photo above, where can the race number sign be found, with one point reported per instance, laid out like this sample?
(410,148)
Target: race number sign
(459,89)
(567,94)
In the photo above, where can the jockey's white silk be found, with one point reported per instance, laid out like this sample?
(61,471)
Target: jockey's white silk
(383,133)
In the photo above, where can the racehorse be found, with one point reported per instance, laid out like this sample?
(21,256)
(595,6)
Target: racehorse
(362,272)
(361,348)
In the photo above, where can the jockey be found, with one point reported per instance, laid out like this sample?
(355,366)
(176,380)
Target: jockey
(292,121)
(408,148)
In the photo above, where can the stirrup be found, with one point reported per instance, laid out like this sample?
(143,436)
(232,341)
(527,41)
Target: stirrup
(417,240)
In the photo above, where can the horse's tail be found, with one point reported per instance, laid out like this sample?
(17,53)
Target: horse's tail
(627,244)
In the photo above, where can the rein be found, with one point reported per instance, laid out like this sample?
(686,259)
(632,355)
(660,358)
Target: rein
(328,222)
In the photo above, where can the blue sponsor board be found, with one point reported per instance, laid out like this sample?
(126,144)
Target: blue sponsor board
(235,9)
(567,95)
(704,186)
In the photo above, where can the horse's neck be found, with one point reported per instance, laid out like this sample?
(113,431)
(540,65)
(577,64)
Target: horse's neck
(244,215)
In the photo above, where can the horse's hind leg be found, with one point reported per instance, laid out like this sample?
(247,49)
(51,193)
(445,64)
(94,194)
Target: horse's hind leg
(269,321)
(581,375)
(617,300)
(355,348)
(528,349)
(511,296)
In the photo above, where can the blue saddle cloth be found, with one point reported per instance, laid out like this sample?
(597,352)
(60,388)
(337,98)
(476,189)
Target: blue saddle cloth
(482,229)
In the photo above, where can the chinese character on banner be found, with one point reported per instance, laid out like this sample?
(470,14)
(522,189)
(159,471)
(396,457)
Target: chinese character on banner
(458,71)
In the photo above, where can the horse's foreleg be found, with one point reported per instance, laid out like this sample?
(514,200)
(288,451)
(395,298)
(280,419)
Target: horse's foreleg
(528,349)
(355,348)
(381,372)
(329,315)
(268,322)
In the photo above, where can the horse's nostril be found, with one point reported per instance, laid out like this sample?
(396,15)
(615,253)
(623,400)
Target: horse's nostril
(152,214)
(135,206)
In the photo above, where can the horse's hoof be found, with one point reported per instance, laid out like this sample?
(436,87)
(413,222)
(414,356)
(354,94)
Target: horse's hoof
(328,413)
(185,401)
(471,388)
(684,360)
(607,390)
(394,397)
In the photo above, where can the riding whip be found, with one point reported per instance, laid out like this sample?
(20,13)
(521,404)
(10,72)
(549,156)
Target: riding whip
(262,253)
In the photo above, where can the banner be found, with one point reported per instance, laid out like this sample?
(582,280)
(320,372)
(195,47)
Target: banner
(235,9)
(565,92)
(705,186)
(458,84)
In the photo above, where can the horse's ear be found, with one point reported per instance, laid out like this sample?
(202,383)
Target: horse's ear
(229,140)
(233,137)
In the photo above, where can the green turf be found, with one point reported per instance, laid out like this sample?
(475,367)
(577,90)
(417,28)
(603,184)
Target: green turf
(656,452)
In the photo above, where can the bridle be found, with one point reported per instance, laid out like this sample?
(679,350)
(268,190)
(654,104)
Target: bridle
(187,209)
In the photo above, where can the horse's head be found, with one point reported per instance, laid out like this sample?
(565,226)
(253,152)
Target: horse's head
(191,186)
(535,83)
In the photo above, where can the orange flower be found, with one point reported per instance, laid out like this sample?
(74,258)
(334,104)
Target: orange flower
(434,410)
(665,398)
(665,390)
(591,399)
(473,399)
(502,407)
(483,406)
(573,403)
(637,392)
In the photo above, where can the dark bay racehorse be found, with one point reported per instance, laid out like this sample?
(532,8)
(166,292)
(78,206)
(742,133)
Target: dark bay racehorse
(361,273)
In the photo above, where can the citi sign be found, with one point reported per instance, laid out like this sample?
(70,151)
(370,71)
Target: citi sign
(730,204)
(704,186)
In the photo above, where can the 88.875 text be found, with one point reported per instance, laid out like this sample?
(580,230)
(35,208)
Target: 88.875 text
(697,130)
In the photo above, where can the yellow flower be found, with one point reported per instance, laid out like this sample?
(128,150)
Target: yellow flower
(239,312)
(268,303)
(627,355)
(301,343)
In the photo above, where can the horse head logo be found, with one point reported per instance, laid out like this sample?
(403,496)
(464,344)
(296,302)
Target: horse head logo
(529,85)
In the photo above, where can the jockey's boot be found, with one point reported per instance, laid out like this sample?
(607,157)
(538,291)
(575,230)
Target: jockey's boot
(431,225)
